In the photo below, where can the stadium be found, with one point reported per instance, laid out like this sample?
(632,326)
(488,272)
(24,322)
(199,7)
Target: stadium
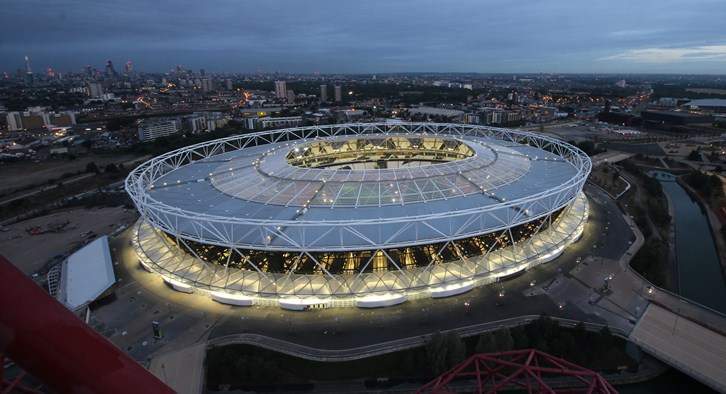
(365,215)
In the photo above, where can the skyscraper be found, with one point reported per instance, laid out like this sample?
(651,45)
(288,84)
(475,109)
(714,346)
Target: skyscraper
(338,93)
(27,65)
(129,67)
(110,71)
(281,89)
(28,72)
(323,93)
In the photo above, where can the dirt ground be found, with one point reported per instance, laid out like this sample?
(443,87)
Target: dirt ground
(30,253)
(678,149)
(14,176)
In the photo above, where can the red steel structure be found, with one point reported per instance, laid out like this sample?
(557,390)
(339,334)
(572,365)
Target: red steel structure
(56,347)
(527,369)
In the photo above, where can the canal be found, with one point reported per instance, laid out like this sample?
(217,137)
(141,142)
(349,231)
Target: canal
(699,268)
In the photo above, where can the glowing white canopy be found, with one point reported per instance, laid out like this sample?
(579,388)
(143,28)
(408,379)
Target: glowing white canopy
(86,274)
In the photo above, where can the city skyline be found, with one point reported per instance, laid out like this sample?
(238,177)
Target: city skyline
(372,37)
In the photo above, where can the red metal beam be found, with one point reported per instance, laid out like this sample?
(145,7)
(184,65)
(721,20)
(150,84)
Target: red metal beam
(55,346)
(517,368)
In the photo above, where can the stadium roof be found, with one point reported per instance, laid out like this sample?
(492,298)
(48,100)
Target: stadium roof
(239,184)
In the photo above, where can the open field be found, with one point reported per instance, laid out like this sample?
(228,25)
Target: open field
(21,175)
(30,253)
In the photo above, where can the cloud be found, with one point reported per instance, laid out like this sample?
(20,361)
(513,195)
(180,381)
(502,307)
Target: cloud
(634,33)
(672,55)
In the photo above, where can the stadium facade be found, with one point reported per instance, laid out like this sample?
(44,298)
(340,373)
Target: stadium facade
(364,215)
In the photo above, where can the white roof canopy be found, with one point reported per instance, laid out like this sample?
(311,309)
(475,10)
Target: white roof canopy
(86,274)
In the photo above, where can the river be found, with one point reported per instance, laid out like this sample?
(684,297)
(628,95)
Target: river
(699,269)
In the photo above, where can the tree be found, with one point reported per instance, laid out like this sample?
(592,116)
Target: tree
(92,167)
(436,354)
(110,167)
(486,343)
(503,340)
(694,155)
(588,147)
(456,350)
(519,337)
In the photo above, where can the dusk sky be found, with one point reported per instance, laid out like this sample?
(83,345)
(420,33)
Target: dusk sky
(370,36)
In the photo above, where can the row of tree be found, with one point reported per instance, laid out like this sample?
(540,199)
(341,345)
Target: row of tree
(245,366)
(598,350)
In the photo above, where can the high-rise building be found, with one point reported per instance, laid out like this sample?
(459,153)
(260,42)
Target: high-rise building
(323,93)
(36,118)
(27,65)
(129,67)
(94,89)
(28,72)
(338,93)
(151,130)
(110,71)
(15,121)
(207,85)
(290,97)
(228,84)
(281,89)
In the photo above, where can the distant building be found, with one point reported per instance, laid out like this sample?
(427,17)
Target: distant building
(37,118)
(353,114)
(323,93)
(338,91)
(281,89)
(94,89)
(28,72)
(676,118)
(152,129)
(278,122)
(207,85)
(14,121)
(500,117)
(228,84)
(710,105)
(472,119)
(129,67)
(433,111)
(195,124)
(290,97)
(201,122)
(110,71)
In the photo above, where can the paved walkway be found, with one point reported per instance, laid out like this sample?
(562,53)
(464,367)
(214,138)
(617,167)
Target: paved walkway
(611,156)
(683,344)
(376,349)
(182,370)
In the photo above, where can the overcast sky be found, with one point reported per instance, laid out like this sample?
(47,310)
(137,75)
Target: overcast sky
(368,36)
